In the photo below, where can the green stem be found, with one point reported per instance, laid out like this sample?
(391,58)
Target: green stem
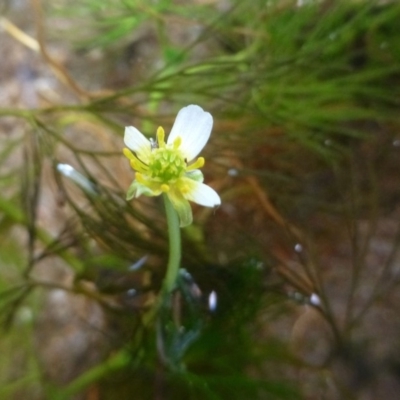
(174,234)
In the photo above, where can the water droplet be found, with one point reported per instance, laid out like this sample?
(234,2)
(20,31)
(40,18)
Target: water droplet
(396,143)
(328,142)
(65,169)
(332,36)
(298,248)
(138,264)
(131,292)
(233,172)
(315,300)
(212,301)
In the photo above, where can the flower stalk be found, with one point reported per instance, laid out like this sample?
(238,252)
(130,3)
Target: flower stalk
(174,235)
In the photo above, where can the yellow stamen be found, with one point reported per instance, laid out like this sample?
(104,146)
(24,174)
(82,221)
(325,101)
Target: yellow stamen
(155,187)
(160,137)
(127,153)
(197,164)
(164,188)
(183,188)
(137,165)
(139,177)
(177,142)
(142,179)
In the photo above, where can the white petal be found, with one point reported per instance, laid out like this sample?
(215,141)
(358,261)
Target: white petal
(193,125)
(137,142)
(202,194)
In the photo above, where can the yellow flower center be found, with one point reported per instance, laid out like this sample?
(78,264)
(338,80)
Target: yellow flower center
(166,165)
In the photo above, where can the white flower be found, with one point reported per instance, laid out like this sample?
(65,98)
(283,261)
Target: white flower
(170,167)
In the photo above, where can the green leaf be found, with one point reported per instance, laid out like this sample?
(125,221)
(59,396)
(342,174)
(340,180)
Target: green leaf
(182,207)
(137,189)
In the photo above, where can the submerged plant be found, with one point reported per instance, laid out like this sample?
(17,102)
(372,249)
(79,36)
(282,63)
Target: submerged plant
(170,168)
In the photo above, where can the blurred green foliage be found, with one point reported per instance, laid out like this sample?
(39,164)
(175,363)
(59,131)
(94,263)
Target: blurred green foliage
(297,93)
